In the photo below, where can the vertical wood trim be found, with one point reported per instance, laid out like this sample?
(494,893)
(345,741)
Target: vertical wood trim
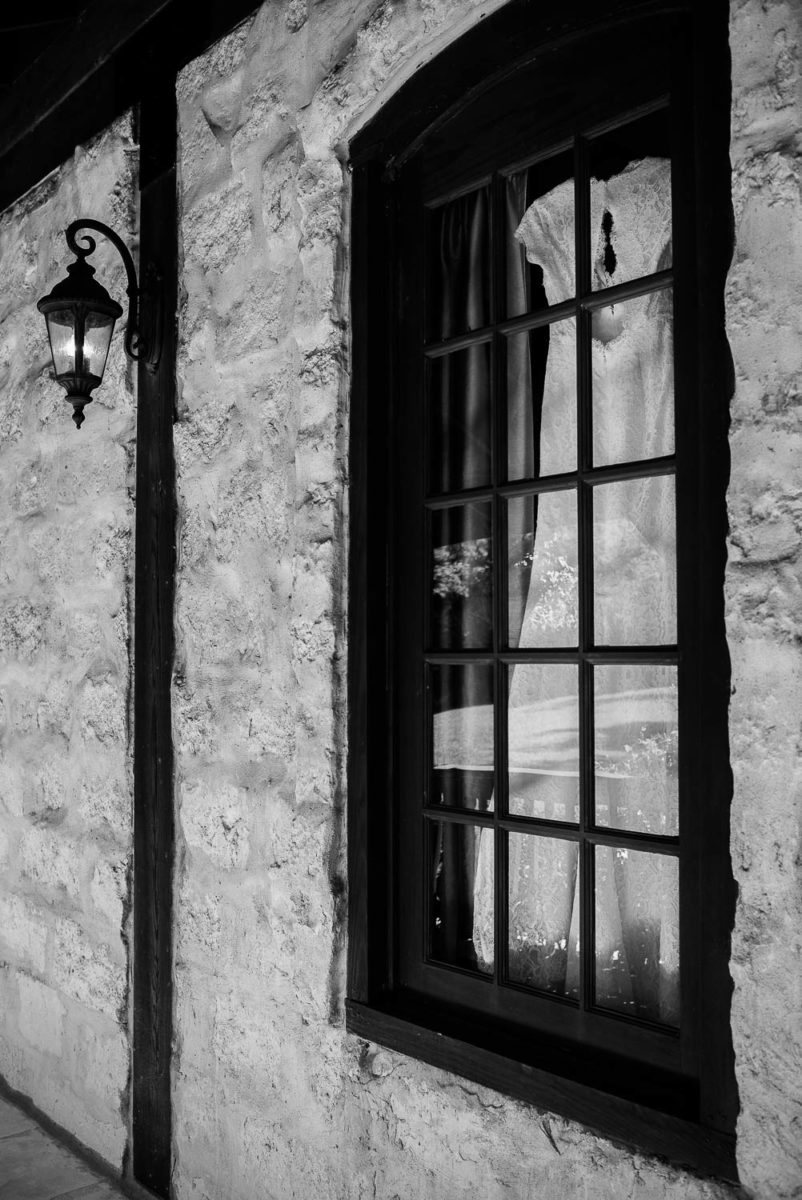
(154,646)
(716,385)
(358,615)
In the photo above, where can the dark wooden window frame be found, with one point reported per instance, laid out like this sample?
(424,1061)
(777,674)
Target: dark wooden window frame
(689,1122)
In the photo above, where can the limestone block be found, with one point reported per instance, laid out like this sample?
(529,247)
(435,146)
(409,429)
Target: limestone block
(87,971)
(23,932)
(221,103)
(11,789)
(215,821)
(254,300)
(320,199)
(103,714)
(53,860)
(109,889)
(217,230)
(210,421)
(280,207)
(54,712)
(105,798)
(48,786)
(100,1060)
(198,930)
(196,723)
(41,1015)
(22,626)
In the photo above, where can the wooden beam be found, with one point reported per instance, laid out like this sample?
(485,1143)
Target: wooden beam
(154,647)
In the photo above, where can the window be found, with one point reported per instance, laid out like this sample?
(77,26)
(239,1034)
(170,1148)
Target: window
(538,753)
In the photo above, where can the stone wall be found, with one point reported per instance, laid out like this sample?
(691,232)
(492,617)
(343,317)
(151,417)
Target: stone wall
(764,588)
(272,1096)
(66,518)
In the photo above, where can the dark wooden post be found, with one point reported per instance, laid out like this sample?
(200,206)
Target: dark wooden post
(153,651)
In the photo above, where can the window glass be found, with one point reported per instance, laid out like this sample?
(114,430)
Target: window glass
(459,419)
(461,597)
(458,260)
(541,401)
(637,933)
(543,741)
(539,218)
(634,562)
(461,875)
(543,941)
(633,379)
(636,755)
(630,202)
(462,736)
(542,582)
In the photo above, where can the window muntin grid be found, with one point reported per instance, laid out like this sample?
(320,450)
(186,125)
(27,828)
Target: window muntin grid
(509,812)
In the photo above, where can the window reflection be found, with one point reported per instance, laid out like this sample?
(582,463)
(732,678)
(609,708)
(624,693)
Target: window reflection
(461,896)
(543,937)
(543,738)
(543,570)
(637,933)
(636,751)
(462,578)
(462,736)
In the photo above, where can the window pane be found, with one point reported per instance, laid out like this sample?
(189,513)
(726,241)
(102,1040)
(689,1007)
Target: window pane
(458,257)
(61,329)
(542,581)
(637,933)
(633,380)
(540,235)
(630,201)
(636,748)
(97,338)
(541,401)
(543,941)
(462,736)
(634,562)
(459,420)
(462,578)
(543,732)
(461,912)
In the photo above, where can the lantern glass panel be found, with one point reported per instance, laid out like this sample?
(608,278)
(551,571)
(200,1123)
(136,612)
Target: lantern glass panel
(61,329)
(98,328)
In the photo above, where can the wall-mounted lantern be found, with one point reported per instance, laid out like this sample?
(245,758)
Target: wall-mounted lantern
(80,316)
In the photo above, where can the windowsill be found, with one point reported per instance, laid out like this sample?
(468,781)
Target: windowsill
(650,1129)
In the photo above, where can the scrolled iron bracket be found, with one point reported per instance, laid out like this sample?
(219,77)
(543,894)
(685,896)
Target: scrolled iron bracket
(142,338)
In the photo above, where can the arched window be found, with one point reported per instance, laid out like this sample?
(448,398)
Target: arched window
(539,783)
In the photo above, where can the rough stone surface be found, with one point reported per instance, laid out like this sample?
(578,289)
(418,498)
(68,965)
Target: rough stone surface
(66,518)
(298,1107)
(272,1097)
(764,593)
